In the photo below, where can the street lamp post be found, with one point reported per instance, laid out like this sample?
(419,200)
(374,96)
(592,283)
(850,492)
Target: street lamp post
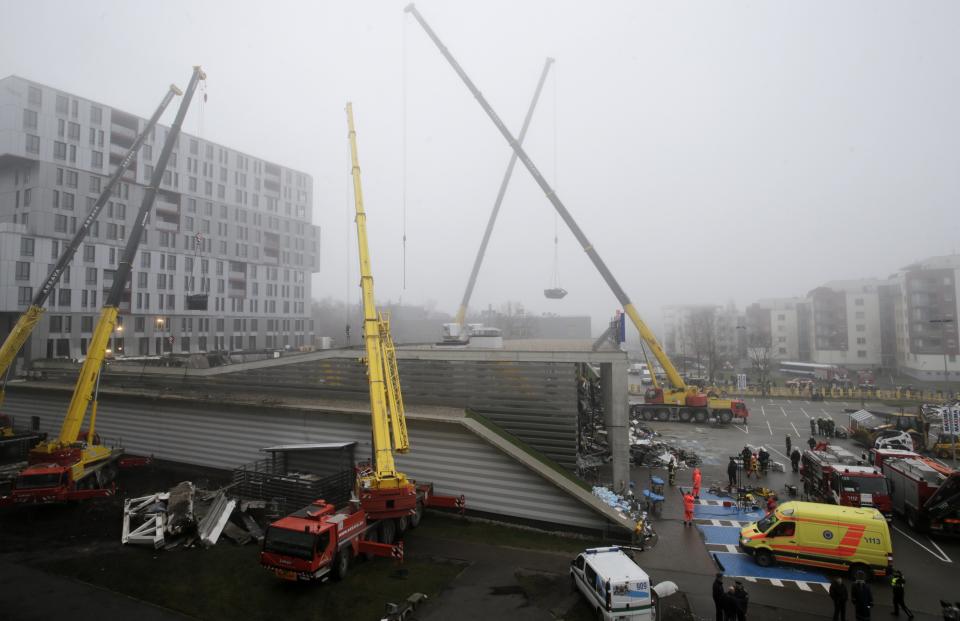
(943,338)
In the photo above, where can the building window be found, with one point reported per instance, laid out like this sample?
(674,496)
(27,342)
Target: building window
(861,353)
(861,340)
(858,302)
(73,131)
(33,144)
(29,119)
(34,96)
(60,150)
(64,297)
(861,327)
(96,159)
(23,270)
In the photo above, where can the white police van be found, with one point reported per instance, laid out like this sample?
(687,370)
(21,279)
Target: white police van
(614,585)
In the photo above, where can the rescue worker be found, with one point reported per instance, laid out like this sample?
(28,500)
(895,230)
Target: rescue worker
(811,443)
(688,502)
(838,593)
(672,470)
(820,426)
(697,479)
(898,584)
(862,599)
(743,600)
(754,467)
(813,427)
(745,456)
(732,473)
(795,460)
(789,444)
(718,595)
(771,503)
(763,458)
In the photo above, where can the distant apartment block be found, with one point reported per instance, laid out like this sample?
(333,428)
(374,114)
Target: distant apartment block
(925,318)
(227,226)
(779,324)
(845,327)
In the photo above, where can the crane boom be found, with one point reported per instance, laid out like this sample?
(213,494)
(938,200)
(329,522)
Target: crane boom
(88,381)
(28,321)
(465,303)
(645,333)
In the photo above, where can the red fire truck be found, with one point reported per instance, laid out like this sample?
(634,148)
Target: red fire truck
(825,479)
(926,497)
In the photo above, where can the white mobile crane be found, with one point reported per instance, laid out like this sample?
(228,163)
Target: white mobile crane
(76,465)
(686,403)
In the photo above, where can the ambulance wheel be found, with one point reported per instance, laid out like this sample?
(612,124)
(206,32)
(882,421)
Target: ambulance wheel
(859,571)
(685,415)
(417,515)
(764,558)
(341,564)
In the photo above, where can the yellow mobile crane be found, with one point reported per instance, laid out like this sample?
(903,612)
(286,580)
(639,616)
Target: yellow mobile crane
(683,402)
(384,492)
(29,319)
(76,465)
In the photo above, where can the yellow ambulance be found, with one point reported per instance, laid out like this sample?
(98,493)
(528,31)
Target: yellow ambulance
(851,539)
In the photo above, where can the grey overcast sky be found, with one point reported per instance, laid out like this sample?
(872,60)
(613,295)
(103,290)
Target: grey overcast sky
(711,151)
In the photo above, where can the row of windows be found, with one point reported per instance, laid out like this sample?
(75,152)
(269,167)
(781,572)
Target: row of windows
(60,347)
(63,324)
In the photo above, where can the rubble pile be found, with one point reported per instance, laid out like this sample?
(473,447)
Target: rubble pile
(191,517)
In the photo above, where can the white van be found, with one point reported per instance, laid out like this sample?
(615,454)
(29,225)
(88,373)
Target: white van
(613,585)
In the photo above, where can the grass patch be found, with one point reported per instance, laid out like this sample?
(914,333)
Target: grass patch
(439,526)
(227,583)
(526,448)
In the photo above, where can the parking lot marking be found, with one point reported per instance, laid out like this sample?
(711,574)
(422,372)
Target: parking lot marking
(784,411)
(770,428)
(825,585)
(779,453)
(804,412)
(731,548)
(797,431)
(825,413)
(715,523)
(744,429)
(939,549)
(763,411)
(803,586)
(940,557)
(749,578)
(775,582)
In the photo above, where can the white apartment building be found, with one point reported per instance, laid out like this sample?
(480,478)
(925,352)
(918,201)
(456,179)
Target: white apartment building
(845,327)
(777,323)
(227,226)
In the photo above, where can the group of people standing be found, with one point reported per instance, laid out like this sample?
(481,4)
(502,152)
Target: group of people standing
(731,602)
(826,427)
(862,598)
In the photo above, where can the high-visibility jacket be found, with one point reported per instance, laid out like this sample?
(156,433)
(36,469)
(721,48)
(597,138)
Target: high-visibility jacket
(688,502)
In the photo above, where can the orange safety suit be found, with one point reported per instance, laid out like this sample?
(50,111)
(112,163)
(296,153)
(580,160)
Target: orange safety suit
(688,502)
(696,482)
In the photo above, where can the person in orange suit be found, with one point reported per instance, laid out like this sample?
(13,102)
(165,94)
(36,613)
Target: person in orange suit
(688,502)
(696,482)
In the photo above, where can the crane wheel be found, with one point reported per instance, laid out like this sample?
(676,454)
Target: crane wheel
(388,531)
(417,515)
(341,564)
(663,415)
(372,538)
(402,523)
(700,416)
(685,415)
(647,414)
(725,417)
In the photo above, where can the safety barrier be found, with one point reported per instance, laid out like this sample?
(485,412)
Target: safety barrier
(923,396)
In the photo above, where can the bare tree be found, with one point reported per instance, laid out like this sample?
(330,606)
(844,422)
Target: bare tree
(702,327)
(762,361)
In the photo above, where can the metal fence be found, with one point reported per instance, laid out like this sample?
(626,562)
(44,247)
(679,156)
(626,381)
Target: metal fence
(267,480)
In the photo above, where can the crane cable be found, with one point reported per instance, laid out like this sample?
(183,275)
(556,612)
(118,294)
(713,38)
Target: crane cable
(403,108)
(556,230)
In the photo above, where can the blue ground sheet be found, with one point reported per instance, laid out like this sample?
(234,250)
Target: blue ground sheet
(720,534)
(743,565)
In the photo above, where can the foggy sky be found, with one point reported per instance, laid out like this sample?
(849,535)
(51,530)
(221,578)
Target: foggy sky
(710,151)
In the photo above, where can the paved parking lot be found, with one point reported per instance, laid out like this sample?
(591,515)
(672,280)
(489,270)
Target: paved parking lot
(930,565)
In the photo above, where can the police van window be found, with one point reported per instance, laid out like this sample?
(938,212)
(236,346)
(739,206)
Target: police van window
(784,529)
(590,576)
(578,563)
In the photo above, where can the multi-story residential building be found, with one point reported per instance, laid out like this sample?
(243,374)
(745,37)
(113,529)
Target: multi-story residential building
(705,335)
(925,310)
(845,327)
(225,262)
(780,325)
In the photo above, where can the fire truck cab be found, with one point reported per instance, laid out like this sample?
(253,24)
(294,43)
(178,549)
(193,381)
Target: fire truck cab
(825,479)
